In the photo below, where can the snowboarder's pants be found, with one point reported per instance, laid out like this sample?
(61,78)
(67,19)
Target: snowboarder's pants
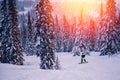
(83,60)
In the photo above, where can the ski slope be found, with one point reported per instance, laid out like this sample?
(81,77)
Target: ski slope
(98,68)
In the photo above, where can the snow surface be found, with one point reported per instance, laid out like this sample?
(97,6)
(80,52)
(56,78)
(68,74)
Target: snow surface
(98,68)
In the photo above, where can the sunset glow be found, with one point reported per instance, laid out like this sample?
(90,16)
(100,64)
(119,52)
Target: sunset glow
(74,7)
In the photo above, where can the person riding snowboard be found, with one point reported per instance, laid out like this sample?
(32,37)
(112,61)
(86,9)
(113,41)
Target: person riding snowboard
(83,58)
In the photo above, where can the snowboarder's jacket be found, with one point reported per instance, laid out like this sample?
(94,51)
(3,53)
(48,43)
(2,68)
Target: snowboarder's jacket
(83,56)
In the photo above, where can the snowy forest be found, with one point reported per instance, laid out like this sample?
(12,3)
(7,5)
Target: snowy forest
(53,35)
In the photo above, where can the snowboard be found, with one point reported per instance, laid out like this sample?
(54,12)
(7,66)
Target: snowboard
(83,62)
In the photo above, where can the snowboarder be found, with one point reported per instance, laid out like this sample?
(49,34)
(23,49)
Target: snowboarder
(83,58)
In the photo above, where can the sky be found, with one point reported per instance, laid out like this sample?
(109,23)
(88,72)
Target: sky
(74,0)
(74,7)
(117,1)
(90,7)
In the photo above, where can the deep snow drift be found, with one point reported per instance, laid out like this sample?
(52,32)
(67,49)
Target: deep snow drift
(98,68)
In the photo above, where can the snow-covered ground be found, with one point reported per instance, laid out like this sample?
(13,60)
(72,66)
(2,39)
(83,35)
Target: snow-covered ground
(98,68)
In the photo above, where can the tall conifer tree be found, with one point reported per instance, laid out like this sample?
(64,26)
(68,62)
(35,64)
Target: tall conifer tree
(45,35)
(12,49)
(3,28)
(109,35)
(30,42)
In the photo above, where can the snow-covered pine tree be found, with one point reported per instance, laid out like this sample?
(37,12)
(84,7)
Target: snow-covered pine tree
(111,9)
(109,36)
(58,40)
(4,33)
(74,25)
(12,49)
(29,27)
(81,41)
(57,24)
(99,25)
(82,38)
(72,35)
(92,35)
(0,33)
(44,34)
(118,31)
(30,41)
(66,35)
(16,51)
(0,23)
(23,35)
